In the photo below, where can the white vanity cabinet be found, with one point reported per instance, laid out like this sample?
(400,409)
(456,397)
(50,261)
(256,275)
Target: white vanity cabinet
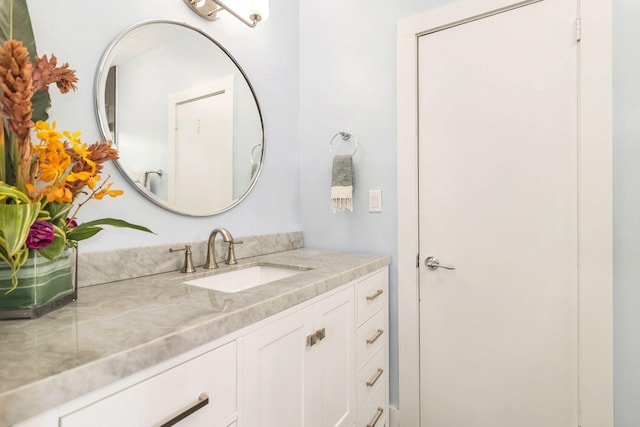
(321,363)
(299,369)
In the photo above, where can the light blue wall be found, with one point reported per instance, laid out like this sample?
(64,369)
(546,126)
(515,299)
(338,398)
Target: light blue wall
(318,67)
(77,32)
(348,80)
(626,211)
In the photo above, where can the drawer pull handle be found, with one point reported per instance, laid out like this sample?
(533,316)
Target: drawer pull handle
(321,334)
(375,419)
(375,379)
(376,295)
(375,337)
(203,400)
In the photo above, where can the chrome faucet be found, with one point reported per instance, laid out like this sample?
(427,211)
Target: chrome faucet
(210,262)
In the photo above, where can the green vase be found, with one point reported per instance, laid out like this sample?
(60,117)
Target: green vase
(43,286)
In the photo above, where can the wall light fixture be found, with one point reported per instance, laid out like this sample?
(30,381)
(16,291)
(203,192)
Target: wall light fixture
(249,12)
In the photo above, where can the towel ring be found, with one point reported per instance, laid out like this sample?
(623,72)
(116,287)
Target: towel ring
(346,136)
(251,154)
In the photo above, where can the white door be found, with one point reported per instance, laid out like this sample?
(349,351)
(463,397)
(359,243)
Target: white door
(498,200)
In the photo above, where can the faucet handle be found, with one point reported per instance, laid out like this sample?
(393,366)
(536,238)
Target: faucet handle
(188,260)
(231,254)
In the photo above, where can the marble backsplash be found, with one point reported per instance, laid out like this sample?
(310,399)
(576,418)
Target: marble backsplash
(108,266)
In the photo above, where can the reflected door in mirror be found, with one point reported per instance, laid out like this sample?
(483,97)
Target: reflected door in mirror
(201,134)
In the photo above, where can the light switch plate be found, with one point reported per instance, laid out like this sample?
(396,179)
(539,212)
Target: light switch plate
(375,200)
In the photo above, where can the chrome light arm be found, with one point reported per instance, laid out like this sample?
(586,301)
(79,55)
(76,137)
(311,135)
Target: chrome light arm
(209,9)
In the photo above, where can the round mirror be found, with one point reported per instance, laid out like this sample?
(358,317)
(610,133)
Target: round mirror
(183,116)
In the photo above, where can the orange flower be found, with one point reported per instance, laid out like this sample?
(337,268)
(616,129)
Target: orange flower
(79,176)
(84,177)
(34,194)
(59,194)
(107,192)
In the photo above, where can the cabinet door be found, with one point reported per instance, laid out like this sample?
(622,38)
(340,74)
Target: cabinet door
(334,361)
(276,369)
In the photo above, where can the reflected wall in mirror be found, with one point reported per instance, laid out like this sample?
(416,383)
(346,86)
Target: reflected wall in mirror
(183,116)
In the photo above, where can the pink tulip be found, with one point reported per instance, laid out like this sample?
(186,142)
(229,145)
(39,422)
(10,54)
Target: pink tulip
(40,235)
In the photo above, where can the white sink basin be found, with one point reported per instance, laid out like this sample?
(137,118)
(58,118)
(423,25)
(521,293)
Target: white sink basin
(246,278)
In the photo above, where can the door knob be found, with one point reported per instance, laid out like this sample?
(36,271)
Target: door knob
(434,263)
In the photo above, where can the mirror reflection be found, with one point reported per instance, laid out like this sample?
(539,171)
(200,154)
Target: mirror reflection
(183,116)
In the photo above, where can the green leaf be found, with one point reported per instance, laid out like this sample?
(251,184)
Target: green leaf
(15,262)
(117,223)
(10,192)
(9,177)
(83,232)
(15,222)
(40,102)
(90,228)
(54,250)
(58,210)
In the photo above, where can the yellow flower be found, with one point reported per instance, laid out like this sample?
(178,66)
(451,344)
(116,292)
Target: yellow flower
(79,147)
(46,132)
(72,136)
(107,192)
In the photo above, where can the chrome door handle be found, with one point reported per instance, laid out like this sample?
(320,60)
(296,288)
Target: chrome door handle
(434,263)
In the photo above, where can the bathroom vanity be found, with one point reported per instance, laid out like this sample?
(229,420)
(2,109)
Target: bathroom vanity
(310,349)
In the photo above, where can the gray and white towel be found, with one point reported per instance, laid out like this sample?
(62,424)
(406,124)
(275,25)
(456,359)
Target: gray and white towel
(342,184)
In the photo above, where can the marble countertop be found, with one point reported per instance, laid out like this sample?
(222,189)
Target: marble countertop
(120,328)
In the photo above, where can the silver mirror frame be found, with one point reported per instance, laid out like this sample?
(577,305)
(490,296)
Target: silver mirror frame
(103,125)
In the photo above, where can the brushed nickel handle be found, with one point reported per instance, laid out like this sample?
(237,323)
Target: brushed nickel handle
(376,295)
(375,379)
(188,262)
(321,334)
(203,400)
(312,340)
(434,263)
(375,419)
(375,337)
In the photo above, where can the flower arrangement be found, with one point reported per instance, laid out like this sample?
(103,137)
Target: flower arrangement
(43,185)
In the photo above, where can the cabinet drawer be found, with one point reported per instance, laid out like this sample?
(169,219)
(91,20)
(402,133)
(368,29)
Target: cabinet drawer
(371,336)
(372,295)
(371,376)
(376,413)
(164,396)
